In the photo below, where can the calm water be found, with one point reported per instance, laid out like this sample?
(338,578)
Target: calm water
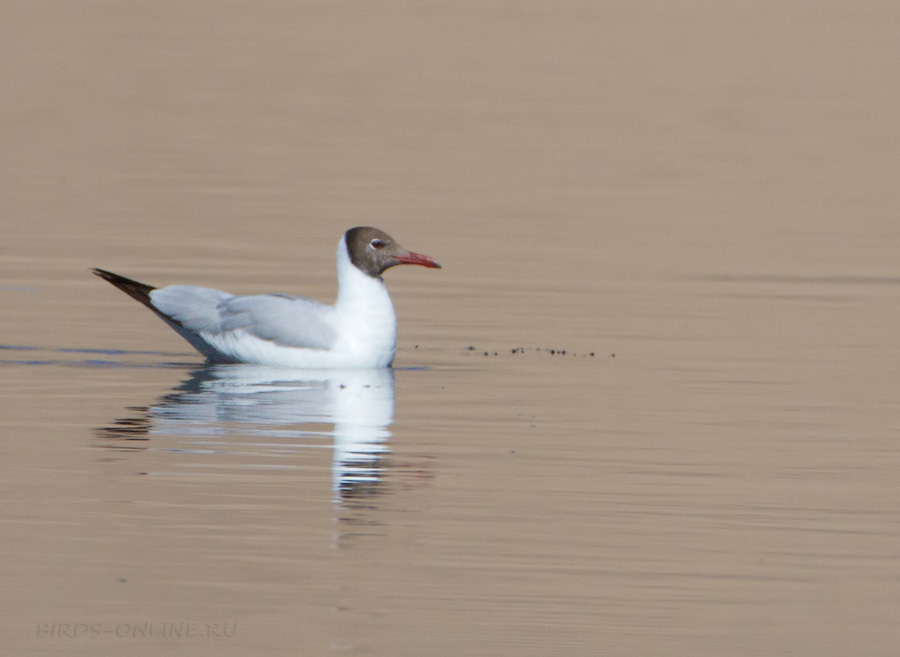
(649,406)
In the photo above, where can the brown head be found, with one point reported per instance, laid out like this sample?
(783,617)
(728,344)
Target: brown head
(372,251)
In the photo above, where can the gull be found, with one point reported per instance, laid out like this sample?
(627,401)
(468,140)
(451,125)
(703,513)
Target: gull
(279,330)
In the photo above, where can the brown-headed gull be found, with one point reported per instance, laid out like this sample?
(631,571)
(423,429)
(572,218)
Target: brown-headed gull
(278,330)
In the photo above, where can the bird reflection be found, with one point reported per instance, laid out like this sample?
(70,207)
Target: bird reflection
(352,409)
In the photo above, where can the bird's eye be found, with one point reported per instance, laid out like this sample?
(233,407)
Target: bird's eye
(376,244)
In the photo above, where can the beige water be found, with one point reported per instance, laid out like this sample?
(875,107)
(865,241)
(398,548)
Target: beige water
(702,195)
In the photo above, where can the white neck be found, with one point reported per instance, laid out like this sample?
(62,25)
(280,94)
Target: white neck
(364,309)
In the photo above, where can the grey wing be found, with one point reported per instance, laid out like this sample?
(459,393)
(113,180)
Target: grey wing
(285,320)
(194,308)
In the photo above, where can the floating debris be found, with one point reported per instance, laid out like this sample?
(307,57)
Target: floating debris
(553,351)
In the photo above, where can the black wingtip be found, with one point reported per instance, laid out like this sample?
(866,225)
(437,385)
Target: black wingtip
(134,289)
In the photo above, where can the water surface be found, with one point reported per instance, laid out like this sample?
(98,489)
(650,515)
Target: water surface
(649,406)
